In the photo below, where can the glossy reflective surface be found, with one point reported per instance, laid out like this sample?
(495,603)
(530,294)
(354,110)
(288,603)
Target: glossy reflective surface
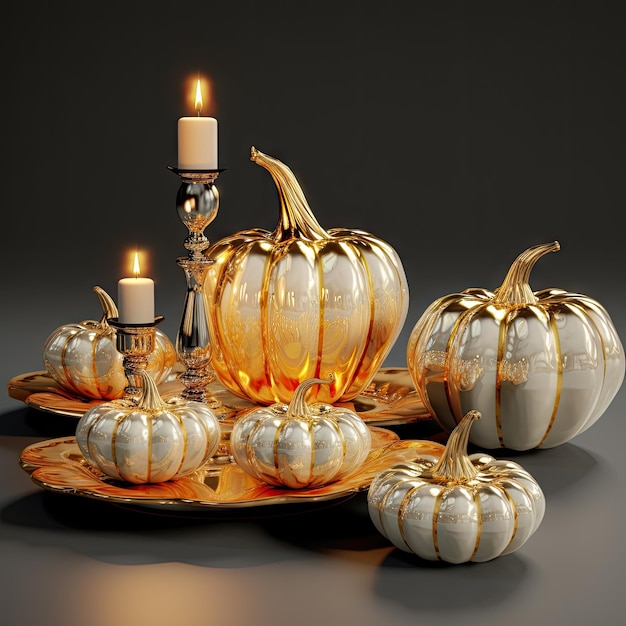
(541,367)
(84,358)
(299,445)
(302,302)
(457,508)
(389,399)
(58,465)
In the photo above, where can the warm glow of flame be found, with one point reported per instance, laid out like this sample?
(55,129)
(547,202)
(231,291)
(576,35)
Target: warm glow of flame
(197,90)
(136,265)
(198,97)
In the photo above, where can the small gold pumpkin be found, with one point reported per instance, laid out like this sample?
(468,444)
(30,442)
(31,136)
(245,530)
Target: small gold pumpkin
(83,357)
(300,445)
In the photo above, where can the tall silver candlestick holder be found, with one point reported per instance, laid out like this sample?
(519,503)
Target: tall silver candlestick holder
(197,204)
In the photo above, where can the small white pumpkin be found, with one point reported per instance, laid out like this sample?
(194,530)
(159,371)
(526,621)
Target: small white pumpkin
(83,358)
(151,441)
(299,445)
(456,508)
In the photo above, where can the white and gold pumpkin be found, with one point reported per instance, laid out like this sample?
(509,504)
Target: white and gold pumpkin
(300,445)
(83,357)
(456,508)
(541,367)
(302,302)
(150,441)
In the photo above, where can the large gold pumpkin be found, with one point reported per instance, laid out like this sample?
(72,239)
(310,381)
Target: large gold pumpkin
(302,302)
(541,367)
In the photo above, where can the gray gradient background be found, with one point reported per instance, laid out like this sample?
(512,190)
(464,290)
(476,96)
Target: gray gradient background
(461,133)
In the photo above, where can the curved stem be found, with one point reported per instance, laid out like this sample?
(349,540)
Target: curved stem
(298,406)
(150,398)
(109,307)
(296,217)
(454,463)
(515,287)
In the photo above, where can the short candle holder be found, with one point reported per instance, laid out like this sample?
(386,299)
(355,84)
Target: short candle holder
(135,342)
(197,204)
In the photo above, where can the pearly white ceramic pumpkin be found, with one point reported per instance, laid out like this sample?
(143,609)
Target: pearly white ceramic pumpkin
(151,441)
(300,445)
(456,508)
(541,367)
(83,357)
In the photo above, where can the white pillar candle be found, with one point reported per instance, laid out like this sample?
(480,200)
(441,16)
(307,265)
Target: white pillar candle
(135,300)
(197,143)
(197,140)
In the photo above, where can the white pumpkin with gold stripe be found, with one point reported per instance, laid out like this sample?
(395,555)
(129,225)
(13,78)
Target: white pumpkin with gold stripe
(149,442)
(541,367)
(456,508)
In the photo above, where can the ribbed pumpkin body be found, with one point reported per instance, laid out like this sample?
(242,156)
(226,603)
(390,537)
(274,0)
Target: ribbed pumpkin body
(298,445)
(457,508)
(83,357)
(302,302)
(150,442)
(541,367)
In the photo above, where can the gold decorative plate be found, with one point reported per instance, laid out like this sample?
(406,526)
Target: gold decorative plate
(389,400)
(58,465)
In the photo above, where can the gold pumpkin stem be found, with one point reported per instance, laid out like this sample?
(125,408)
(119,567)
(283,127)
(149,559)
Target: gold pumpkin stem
(515,288)
(298,406)
(150,398)
(454,464)
(109,307)
(296,217)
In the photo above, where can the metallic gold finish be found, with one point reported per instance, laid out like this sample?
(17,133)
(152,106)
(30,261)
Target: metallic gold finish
(197,204)
(85,361)
(135,343)
(390,398)
(58,465)
(148,441)
(456,508)
(298,445)
(541,367)
(302,302)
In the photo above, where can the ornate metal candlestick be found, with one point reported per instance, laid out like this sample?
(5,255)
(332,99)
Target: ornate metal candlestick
(197,203)
(135,342)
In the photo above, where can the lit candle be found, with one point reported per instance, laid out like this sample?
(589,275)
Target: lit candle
(197,139)
(135,298)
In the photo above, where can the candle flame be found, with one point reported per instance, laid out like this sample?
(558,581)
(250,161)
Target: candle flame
(136,265)
(198,97)
(198,94)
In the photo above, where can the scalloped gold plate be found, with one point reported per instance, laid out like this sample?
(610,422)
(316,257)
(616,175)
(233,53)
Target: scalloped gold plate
(390,399)
(58,465)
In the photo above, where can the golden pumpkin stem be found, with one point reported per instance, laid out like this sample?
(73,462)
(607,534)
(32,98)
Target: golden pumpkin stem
(150,398)
(298,406)
(296,217)
(454,463)
(515,288)
(109,307)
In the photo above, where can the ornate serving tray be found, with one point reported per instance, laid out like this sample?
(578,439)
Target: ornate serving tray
(390,399)
(58,465)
